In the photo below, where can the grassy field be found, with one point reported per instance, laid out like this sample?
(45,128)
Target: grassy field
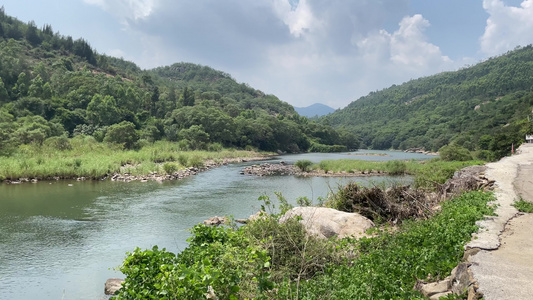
(88,158)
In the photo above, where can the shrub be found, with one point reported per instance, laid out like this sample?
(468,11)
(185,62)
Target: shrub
(396,167)
(122,133)
(303,165)
(453,152)
(214,147)
(195,161)
(60,143)
(182,159)
(170,168)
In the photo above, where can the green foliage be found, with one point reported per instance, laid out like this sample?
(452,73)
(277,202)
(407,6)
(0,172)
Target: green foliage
(387,266)
(453,152)
(431,174)
(123,133)
(396,167)
(170,168)
(220,261)
(524,206)
(89,158)
(481,107)
(66,82)
(303,165)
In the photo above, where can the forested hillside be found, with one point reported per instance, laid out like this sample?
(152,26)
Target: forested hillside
(484,108)
(53,88)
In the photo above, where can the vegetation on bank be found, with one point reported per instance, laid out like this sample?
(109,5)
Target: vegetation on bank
(427,173)
(83,156)
(269,260)
(53,86)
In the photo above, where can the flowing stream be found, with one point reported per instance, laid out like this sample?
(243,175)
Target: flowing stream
(63,239)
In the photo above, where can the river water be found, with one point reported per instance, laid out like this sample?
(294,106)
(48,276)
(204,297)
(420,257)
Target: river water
(63,239)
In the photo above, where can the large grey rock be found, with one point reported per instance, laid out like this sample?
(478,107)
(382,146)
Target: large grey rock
(112,285)
(328,222)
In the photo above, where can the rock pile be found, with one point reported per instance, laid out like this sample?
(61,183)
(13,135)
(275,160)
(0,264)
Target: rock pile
(467,179)
(460,282)
(155,176)
(267,169)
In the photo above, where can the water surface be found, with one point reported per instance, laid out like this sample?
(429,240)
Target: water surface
(63,239)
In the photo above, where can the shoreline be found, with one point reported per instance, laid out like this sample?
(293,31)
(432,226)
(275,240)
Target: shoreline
(152,176)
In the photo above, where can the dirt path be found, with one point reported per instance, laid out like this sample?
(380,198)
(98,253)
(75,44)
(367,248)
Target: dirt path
(504,266)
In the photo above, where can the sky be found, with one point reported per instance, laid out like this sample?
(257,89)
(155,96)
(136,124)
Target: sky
(302,51)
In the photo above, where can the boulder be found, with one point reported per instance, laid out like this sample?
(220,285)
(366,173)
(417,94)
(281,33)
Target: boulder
(328,222)
(112,285)
(215,221)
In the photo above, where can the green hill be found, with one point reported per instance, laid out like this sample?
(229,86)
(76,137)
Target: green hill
(482,107)
(54,86)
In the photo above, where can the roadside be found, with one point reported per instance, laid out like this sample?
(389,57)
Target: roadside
(504,268)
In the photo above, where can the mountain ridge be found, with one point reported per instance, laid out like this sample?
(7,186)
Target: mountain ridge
(314,110)
(484,107)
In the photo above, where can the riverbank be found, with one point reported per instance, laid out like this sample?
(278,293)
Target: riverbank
(90,160)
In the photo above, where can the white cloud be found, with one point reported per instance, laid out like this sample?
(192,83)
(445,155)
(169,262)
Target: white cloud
(507,26)
(329,51)
(126,9)
(299,19)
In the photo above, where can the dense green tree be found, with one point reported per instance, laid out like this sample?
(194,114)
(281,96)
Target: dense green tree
(102,110)
(196,136)
(454,152)
(187,97)
(32,34)
(4,96)
(122,133)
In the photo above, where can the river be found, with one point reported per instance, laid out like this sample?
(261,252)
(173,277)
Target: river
(63,239)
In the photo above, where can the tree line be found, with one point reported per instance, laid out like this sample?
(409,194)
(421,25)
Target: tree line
(52,85)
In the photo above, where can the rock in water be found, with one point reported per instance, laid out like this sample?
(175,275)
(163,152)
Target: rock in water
(327,222)
(215,221)
(112,285)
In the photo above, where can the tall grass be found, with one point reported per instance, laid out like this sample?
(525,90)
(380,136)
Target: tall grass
(91,159)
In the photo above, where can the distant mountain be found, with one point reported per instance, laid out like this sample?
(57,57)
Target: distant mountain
(316,109)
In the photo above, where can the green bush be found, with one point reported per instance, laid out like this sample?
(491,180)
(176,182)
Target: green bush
(214,147)
(218,260)
(123,133)
(60,143)
(195,161)
(170,168)
(453,152)
(303,165)
(396,167)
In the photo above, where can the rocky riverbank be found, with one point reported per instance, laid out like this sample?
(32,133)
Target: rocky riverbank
(269,169)
(152,176)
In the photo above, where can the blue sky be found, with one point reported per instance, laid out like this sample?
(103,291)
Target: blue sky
(306,51)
